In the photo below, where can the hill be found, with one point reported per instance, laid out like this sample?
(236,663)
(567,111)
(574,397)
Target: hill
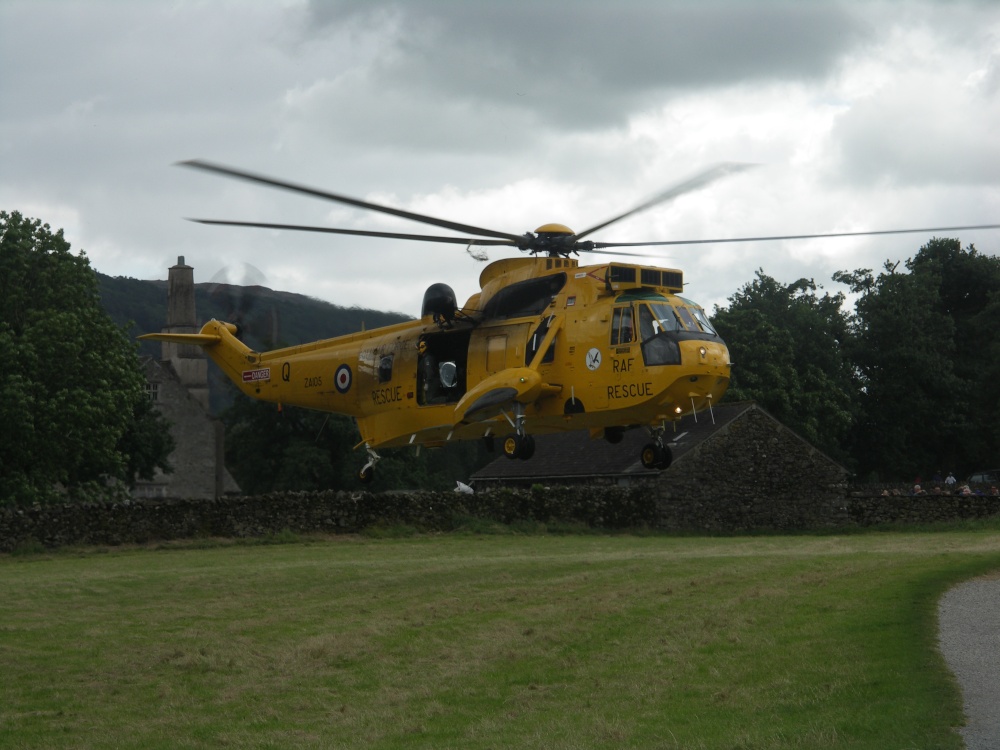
(270,318)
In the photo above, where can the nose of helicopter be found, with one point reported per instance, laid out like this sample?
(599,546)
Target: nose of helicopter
(703,379)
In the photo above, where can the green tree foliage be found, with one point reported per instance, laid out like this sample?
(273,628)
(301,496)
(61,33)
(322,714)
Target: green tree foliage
(72,395)
(925,345)
(299,449)
(906,385)
(787,346)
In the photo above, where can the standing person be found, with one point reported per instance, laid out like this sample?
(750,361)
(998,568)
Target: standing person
(950,480)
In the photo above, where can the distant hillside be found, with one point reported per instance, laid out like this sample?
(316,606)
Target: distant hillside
(270,319)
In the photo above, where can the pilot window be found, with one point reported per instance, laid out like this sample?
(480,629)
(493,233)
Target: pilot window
(656,321)
(621,326)
(655,318)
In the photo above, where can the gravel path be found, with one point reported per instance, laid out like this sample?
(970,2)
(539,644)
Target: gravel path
(969,620)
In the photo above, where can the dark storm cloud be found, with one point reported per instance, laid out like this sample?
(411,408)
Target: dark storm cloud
(587,65)
(505,114)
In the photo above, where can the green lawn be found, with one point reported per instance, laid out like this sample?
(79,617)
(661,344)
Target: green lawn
(487,642)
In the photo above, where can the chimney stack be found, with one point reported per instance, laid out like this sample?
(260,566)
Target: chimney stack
(188,362)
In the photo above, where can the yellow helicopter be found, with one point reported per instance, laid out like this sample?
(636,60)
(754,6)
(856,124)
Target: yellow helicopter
(546,345)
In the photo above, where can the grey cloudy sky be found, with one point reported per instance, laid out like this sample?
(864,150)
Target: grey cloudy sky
(862,116)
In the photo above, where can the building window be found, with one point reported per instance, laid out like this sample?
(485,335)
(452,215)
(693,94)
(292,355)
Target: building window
(153,391)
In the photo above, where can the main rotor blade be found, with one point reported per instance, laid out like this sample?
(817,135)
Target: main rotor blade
(595,249)
(797,236)
(325,195)
(692,183)
(356,232)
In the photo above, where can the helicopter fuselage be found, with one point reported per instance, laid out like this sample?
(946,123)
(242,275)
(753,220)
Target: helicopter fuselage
(545,346)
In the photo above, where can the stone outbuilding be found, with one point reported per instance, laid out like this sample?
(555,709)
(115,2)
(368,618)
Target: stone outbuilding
(736,466)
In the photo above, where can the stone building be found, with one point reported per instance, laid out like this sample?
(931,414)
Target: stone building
(178,385)
(738,466)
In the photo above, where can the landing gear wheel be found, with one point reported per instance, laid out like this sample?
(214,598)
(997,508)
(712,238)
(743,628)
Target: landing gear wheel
(519,446)
(655,456)
(668,457)
(366,475)
(512,446)
(527,447)
(651,455)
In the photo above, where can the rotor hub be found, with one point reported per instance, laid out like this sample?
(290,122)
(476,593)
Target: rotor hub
(554,229)
(554,240)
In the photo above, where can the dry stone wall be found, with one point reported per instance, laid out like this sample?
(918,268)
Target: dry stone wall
(603,507)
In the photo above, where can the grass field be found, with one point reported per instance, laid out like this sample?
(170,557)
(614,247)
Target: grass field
(497,641)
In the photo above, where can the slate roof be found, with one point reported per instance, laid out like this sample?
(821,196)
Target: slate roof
(574,455)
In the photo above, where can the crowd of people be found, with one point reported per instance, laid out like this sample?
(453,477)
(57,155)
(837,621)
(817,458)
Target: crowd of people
(947,486)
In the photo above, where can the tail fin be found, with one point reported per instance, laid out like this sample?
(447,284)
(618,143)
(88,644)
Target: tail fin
(220,344)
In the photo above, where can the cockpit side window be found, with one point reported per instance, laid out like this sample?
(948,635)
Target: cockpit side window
(702,319)
(655,321)
(621,326)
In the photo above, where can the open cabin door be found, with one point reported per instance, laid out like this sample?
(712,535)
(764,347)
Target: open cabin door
(442,368)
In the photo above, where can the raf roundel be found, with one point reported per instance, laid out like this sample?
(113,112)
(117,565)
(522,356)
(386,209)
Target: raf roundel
(342,378)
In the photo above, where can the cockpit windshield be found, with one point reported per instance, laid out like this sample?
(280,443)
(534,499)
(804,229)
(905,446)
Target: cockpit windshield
(655,317)
(699,315)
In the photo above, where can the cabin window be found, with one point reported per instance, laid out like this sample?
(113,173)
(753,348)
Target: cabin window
(656,324)
(622,331)
(535,341)
(385,369)
(525,298)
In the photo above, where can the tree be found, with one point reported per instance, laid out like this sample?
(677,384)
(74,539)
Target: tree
(787,346)
(925,345)
(969,294)
(72,395)
(298,449)
(294,449)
